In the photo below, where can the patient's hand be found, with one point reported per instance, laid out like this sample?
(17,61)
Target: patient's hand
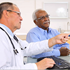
(69,51)
(64,51)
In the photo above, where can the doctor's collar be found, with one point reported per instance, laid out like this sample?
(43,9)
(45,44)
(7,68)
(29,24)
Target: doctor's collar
(7,29)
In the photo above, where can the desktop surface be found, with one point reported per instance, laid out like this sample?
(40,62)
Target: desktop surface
(33,60)
(60,63)
(67,58)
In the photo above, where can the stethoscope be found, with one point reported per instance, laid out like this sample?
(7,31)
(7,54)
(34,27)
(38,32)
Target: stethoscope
(14,49)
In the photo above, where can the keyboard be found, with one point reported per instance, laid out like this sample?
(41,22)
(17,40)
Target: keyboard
(60,63)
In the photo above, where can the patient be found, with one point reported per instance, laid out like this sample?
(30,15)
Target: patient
(42,32)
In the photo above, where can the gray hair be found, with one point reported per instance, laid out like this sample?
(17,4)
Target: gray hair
(5,6)
(34,14)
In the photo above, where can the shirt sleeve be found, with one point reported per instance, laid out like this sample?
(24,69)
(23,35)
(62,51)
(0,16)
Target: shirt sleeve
(28,66)
(35,48)
(56,48)
(55,51)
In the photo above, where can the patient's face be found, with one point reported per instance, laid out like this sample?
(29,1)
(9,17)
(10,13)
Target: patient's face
(42,20)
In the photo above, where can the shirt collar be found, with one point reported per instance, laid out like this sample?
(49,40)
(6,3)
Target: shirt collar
(43,31)
(8,30)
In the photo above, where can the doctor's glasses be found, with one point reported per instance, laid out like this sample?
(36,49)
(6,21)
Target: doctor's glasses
(18,13)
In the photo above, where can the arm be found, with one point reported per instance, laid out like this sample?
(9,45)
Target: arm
(6,57)
(35,37)
(44,46)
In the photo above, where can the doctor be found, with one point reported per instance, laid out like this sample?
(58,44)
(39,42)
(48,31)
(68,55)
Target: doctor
(13,50)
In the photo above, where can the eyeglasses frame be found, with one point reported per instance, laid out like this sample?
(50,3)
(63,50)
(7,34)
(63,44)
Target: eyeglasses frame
(42,17)
(18,13)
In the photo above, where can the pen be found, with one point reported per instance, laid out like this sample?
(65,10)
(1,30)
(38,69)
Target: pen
(68,35)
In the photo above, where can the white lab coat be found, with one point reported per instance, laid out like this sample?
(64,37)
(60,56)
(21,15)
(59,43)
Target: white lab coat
(8,60)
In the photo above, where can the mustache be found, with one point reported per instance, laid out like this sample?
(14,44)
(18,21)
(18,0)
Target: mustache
(46,22)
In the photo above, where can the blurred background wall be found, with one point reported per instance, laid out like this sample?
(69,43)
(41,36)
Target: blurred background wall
(28,6)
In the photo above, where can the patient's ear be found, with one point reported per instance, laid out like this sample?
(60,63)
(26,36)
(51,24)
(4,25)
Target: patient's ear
(35,21)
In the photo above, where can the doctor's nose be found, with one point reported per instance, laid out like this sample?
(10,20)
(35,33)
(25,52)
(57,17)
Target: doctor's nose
(21,18)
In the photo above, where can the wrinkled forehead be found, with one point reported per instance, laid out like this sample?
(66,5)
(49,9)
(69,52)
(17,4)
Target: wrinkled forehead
(41,13)
(15,8)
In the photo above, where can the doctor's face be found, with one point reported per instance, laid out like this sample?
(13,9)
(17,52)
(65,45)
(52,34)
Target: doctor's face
(15,18)
(42,20)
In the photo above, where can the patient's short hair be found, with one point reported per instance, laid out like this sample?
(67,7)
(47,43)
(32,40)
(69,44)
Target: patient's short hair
(34,14)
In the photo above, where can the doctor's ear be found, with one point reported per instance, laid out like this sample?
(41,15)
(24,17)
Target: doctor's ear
(6,13)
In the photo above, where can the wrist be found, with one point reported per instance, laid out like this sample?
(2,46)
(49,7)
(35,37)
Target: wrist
(51,42)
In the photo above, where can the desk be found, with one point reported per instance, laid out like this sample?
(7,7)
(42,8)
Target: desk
(67,58)
(32,60)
